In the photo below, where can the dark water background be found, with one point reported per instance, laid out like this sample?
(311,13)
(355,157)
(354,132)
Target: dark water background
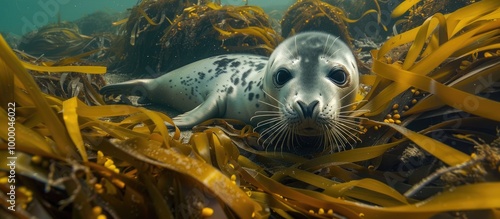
(22,16)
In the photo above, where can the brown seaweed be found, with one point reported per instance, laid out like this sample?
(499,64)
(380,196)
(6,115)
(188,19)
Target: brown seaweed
(315,15)
(118,161)
(62,40)
(163,35)
(202,31)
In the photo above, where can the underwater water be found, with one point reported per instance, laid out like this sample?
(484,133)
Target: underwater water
(22,16)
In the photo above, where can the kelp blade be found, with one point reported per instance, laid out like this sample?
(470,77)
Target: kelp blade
(141,145)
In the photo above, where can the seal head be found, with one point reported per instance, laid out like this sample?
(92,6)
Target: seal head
(312,80)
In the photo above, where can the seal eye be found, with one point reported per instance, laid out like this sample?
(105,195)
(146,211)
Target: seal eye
(281,77)
(338,76)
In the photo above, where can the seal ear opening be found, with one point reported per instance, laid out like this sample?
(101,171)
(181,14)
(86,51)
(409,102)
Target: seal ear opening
(130,88)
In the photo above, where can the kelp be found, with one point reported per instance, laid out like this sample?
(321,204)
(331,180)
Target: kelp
(62,78)
(61,40)
(308,15)
(417,11)
(423,59)
(315,15)
(210,29)
(120,161)
(138,45)
(164,35)
(450,61)
(84,127)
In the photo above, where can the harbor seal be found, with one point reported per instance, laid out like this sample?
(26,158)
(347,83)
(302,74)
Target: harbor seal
(306,88)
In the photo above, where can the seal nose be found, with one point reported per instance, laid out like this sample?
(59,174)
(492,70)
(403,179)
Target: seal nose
(307,110)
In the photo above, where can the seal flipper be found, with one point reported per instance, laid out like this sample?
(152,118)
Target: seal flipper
(212,107)
(129,88)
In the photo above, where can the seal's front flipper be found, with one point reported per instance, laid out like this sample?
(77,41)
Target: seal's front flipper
(213,106)
(129,88)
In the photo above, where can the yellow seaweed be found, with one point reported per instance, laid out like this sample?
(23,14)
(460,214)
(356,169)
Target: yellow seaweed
(120,22)
(143,13)
(81,69)
(27,139)
(447,48)
(151,161)
(48,116)
(70,116)
(403,7)
(449,95)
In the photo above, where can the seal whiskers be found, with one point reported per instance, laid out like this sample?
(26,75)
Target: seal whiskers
(345,126)
(279,130)
(282,133)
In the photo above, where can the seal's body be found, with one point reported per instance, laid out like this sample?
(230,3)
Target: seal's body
(305,88)
(225,86)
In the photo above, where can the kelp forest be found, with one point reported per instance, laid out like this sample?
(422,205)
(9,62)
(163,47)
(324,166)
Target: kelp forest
(429,130)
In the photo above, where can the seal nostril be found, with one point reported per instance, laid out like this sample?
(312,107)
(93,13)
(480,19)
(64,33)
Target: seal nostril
(307,110)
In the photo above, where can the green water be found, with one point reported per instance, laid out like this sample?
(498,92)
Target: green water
(22,16)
